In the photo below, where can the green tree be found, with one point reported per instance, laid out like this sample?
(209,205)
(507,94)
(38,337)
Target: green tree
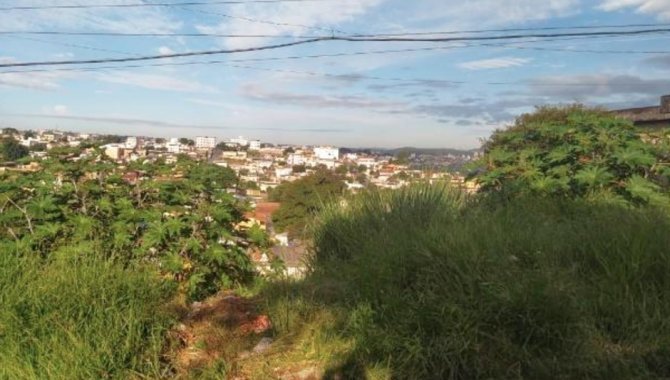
(10,131)
(11,150)
(342,169)
(302,198)
(573,151)
(38,147)
(186,141)
(183,224)
(402,157)
(299,168)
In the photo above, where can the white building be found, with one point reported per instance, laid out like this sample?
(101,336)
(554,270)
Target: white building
(173,146)
(255,145)
(30,141)
(239,141)
(131,143)
(205,142)
(295,159)
(369,162)
(283,172)
(327,153)
(113,151)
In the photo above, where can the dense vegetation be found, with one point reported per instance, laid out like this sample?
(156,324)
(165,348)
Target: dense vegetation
(424,283)
(11,150)
(92,251)
(577,152)
(557,269)
(302,199)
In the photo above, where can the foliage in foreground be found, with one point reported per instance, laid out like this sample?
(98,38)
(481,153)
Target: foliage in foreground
(83,318)
(92,252)
(177,217)
(576,152)
(430,285)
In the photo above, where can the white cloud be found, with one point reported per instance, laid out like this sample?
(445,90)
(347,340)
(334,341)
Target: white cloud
(30,80)
(164,50)
(35,81)
(128,20)
(155,82)
(494,63)
(659,8)
(60,110)
(316,100)
(286,19)
(458,14)
(598,87)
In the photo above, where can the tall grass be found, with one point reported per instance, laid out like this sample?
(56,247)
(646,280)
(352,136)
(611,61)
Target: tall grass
(82,318)
(431,284)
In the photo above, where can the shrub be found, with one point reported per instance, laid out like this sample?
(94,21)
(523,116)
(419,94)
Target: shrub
(437,286)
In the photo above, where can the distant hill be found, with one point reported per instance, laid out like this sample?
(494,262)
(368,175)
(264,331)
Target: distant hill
(425,151)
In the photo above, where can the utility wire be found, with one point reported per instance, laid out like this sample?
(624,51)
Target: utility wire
(410,81)
(506,30)
(119,34)
(114,34)
(335,38)
(142,5)
(266,59)
(331,55)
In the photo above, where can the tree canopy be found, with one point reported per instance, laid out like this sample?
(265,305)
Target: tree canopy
(178,218)
(302,198)
(574,151)
(11,150)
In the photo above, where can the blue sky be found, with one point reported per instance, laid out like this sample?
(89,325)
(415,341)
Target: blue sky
(374,100)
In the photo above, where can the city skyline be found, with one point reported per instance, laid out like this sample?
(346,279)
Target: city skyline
(440,95)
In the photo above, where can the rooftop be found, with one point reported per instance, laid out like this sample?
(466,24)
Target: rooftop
(650,114)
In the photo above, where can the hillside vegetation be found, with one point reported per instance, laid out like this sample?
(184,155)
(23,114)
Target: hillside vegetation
(557,268)
(423,283)
(93,253)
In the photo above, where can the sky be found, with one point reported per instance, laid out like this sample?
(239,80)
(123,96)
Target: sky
(355,94)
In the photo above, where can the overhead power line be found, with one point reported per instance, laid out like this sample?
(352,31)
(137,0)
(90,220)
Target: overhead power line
(427,33)
(144,5)
(336,55)
(507,30)
(410,81)
(336,38)
(118,34)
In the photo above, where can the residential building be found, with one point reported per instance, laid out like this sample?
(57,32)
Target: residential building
(173,146)
(295,159)
(131,142)
(114,151)
(205,142)
(255,145)
(239,141)
(651,117)
(283,172)
(327,153)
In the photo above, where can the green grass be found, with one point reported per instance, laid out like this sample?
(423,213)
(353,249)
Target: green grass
(80,319)
(429,284)
(418,283)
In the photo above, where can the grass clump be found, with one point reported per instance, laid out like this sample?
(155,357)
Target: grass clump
(82,318)
(430,284)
